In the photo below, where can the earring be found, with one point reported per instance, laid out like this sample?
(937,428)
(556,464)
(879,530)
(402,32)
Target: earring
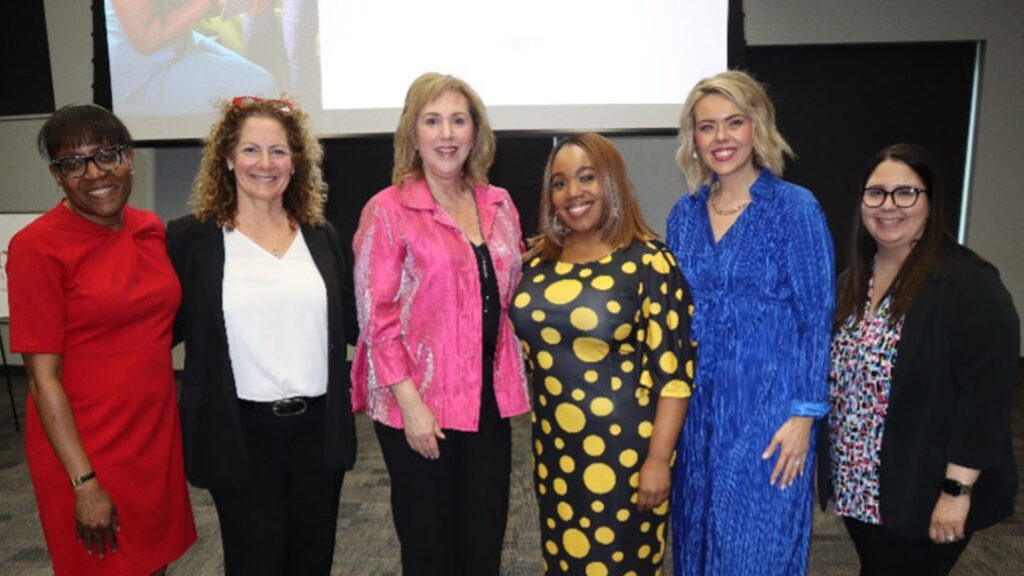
(558,227)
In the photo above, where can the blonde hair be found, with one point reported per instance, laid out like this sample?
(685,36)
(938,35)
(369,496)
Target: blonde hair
(214,192)
(423,91)
(770,148)
(621,219)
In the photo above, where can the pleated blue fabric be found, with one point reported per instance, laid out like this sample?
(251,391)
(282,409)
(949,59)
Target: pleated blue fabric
(764,296)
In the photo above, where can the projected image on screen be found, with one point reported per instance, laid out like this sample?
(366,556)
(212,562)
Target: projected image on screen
(538,64)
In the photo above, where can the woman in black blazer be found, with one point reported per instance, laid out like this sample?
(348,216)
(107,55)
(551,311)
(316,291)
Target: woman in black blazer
(266,312)
(924,358)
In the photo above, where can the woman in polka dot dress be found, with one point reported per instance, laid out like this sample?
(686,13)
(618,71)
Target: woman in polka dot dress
(604,315)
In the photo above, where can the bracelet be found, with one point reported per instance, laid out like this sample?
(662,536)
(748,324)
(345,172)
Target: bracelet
(77,481)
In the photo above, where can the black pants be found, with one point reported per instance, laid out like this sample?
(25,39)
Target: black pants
(883,553)
(283,522)
(450,513)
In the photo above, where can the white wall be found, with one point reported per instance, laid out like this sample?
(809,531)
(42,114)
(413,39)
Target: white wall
(996,211)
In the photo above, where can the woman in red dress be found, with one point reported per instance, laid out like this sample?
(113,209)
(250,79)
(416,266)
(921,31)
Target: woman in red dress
(93,298)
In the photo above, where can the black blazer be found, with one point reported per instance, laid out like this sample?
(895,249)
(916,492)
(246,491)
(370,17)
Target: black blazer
(216,455)
(956,365)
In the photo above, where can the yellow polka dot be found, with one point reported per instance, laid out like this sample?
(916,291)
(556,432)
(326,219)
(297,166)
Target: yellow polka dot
(645,306)
(634,479)
(627,366)
(543,400)
(538,279)
(578,395)
(538,315)
(542,488)
(604,535)
(644,552)
(653,335)
(613,306)
(584,522)
(551,523)
(622,515)
(545,359)
(660,264)
(642,398)
(627,349)
(593,445)
(628,458)
(615,429)
(599,478)
(586,272)
(551,547)
(542,471)
(564,511)
(655,308)
(616,382)
(661,510)
(564,565)
(567,464)
(646,259)
(575,543)
(645,527)
(522,300)
(538,447)
(559,443)
(689,369)
(618,556)
(550,335)
(590,376)
(597,569)
(552,385)
(672,319)
(689,309)
(603,282)
(563,268)
(601,406)
(536,261)
(668,362)
(545,426)
(644,429)
(563,291)
(629,267)
(570,418)
(560,486)
(583,318)
(623,332)
(590,349)
(663,288)
(597,506)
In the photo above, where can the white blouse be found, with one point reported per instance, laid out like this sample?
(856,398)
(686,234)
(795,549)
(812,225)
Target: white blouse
(275,312)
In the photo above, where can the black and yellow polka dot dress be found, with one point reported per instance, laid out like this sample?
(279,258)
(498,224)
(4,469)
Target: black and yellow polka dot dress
(604,340)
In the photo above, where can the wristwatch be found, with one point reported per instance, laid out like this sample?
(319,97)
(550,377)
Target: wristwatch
(956,487)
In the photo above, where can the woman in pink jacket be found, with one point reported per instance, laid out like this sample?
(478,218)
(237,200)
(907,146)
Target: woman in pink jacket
(437,366)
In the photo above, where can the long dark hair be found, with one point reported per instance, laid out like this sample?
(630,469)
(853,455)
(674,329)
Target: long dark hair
(933,245)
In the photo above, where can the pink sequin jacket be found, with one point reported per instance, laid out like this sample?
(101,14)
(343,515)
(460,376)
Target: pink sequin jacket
(418,299)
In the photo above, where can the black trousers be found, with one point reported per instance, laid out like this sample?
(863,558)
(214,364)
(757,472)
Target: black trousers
(883,553)
(283,522)
(450,513)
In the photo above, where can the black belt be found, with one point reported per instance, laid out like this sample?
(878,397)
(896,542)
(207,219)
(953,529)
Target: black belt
(294,406)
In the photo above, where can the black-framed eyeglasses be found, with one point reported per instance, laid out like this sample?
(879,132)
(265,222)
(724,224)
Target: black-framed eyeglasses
(902,196)
(106,159)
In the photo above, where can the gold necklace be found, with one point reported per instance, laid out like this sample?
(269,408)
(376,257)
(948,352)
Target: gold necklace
(715,193)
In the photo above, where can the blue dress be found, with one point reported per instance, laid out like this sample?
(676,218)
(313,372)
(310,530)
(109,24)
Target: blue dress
(764,296)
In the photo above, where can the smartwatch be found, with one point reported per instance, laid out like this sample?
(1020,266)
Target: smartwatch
(956,487)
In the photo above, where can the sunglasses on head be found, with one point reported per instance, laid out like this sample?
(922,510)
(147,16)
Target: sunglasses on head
(243,102)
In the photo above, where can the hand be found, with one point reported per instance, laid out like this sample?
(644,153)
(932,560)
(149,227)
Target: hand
(95,518)
(655,482)
(422,430)
(793,439)
(948,518)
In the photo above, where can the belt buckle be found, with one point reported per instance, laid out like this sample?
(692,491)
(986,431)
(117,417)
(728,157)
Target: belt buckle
(290,407)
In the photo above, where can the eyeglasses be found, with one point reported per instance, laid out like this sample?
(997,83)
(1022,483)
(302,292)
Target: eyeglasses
(243,102)
(902,196)
(106,159)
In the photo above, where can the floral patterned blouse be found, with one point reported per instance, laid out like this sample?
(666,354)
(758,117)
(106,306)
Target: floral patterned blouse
(863,356)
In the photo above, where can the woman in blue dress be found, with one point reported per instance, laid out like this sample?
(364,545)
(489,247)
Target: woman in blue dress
(758,255)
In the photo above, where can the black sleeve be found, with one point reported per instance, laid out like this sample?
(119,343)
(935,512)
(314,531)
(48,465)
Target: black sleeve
(342,254)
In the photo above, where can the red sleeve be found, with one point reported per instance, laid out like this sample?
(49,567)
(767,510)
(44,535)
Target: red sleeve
(35,283)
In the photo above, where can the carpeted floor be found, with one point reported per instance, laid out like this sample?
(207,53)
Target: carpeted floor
(366,541)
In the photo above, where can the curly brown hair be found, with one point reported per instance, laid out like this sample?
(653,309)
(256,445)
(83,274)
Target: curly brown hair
(423,91)
(214,193)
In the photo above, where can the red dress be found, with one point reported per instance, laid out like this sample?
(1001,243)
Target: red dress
(105,301)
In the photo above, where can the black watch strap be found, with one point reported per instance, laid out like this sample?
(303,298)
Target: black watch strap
(956,487)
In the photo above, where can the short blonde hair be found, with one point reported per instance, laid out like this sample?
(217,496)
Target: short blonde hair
(770,148)
(621,219)
(423,91)
(214,193)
